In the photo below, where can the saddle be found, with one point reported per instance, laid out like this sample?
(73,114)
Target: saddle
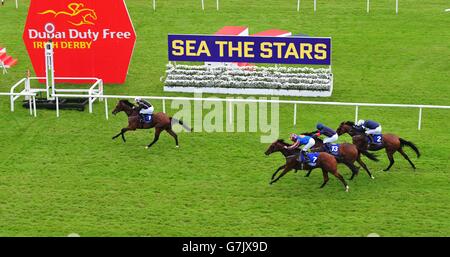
(312,158)
(145,119)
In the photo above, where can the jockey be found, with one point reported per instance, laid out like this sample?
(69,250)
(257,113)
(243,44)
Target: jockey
(302,140)
(145,110)
(330,135)
(370,126)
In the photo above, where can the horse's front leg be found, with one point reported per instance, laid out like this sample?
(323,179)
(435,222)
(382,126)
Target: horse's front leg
(280,168)
(122,132)
(288,166)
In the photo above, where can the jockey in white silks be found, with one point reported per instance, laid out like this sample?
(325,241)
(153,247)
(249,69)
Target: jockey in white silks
(145,110)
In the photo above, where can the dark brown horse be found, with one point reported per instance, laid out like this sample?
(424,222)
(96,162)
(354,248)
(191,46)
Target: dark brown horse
(348,154)
(325,161)
(390,142)
(160,121)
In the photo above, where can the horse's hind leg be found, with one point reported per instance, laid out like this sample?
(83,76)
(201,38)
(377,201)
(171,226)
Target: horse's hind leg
(390,155)
(364,166)
(309,173)
(157,132)
(406,157)
(174,135)
(353,168)
(341,178)
(325,178)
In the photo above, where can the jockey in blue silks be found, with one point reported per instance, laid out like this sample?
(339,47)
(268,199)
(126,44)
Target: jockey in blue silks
(330,135)
(299,140)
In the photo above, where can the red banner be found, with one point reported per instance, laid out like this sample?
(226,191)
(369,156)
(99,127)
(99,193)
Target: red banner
(90,38)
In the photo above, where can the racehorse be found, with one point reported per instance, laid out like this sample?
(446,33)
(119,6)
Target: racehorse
(390,142)
(325,161)
(160,121)
(348,154)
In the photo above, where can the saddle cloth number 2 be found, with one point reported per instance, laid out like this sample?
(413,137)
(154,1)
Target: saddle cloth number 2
(378,139)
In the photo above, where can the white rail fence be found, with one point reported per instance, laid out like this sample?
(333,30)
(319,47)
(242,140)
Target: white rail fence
(298,5)
(105,98)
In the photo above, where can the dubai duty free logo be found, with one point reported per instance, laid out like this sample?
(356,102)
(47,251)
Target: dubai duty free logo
(77,14)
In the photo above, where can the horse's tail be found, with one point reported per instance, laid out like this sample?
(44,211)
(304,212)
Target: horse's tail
(173,120)
(403,142)
(371,156)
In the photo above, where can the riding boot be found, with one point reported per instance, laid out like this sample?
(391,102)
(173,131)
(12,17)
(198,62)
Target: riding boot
(305,157)
(327,147)
(371,141)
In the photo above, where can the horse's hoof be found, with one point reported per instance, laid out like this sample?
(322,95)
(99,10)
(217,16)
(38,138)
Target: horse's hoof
(177,146)
(372,177)
(346,188)
(146,147)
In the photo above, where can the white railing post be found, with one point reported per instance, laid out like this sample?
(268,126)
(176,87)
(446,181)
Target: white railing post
(419,126)
(100,90)
(90,104)
(34,106)
(217,5)
(106,109)
(315,6)
(396,6)
(154,5)
(368,6)
(17,4)
(295,115)
(298,5)
(203,5)
(164,105)
(11,98)
(30,104)
(230,113)
(57,106)
(356,113)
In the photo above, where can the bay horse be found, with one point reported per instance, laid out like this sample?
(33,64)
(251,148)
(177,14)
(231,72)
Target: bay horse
(348,154)
(325,161)
(160,121)
(390,142)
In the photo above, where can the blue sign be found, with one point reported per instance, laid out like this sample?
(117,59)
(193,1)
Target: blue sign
(282,50)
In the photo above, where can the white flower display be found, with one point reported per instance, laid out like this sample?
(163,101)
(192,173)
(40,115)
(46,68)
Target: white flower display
(265,80)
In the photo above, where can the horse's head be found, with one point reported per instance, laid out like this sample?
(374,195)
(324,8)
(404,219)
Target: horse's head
(344,127)
(90,13)
(276,146)
(122,105)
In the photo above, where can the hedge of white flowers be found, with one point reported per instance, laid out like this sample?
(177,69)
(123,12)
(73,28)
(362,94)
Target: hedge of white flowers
(289,78)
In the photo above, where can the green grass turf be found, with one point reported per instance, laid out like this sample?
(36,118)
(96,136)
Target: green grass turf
(62,176)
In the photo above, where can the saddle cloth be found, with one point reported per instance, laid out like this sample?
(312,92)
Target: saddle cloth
(377,139)
(332,149)
(312,158)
